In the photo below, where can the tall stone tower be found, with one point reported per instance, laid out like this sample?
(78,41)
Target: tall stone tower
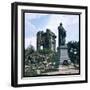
(62,47)
(46,40)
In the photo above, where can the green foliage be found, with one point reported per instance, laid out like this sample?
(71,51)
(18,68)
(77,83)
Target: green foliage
(29,51)
(37,62)
(73,50)
(45,51)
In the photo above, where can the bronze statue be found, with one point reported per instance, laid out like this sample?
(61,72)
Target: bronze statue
(62,35)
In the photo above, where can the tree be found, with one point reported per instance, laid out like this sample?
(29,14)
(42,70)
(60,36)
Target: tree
(73,50)
(29,50)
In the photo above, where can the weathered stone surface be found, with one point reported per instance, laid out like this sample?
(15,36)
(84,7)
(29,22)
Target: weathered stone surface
(63,55)
(46,40)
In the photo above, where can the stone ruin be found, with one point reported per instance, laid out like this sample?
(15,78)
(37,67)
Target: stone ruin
(46,40)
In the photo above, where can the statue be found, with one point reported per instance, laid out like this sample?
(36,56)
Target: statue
(62,47)
(62,35)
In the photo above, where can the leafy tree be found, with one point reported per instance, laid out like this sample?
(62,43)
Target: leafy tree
(45,51)
(74,50)
(29,50)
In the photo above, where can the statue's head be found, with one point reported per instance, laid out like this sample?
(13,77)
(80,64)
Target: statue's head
(60,24)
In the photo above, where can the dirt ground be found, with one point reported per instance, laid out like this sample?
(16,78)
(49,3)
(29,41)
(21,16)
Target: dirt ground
(64,70)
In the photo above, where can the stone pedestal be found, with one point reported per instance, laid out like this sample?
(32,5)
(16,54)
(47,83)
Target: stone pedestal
(63,55)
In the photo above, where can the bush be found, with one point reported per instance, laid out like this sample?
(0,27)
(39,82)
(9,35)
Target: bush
(74,50)
(42,61)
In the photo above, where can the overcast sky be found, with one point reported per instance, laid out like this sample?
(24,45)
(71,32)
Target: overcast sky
(35,22)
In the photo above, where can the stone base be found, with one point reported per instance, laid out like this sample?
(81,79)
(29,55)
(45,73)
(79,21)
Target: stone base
(63,55)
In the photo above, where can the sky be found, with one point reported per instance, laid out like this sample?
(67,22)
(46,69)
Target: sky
(35,22)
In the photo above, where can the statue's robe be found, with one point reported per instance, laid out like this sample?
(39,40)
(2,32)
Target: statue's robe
(62,35)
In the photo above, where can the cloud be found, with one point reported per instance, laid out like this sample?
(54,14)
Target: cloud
(29,27)
(32,16)
(30,41)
